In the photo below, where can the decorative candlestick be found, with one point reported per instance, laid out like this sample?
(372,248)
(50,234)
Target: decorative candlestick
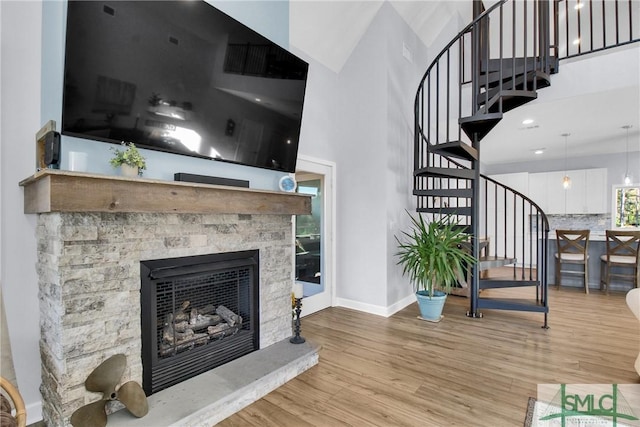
(297,339)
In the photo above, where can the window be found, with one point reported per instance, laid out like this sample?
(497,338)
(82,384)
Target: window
(626,207)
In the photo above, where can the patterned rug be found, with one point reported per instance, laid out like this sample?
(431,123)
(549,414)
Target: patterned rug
(531,410)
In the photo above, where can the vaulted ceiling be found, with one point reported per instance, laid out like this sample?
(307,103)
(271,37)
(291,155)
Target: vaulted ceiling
(328,31)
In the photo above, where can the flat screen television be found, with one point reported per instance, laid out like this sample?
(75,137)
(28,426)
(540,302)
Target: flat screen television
(181,77)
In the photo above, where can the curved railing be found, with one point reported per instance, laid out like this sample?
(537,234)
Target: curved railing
(515,227)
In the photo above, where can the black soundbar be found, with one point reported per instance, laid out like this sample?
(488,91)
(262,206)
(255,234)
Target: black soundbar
(215,180)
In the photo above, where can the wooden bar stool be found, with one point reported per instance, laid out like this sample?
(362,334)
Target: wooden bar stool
(623,248)
(573,248)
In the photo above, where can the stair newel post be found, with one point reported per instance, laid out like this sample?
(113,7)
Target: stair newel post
(476,55)
(556,31)
(544,46)
(475,63)
(416,129)
(544,283)
(475,227)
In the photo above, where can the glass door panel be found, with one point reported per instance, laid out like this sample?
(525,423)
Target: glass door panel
(309,242)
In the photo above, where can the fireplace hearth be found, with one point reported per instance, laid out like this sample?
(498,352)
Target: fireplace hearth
(197,313)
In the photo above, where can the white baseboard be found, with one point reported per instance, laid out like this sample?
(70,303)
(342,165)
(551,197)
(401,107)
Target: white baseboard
(34,412)
(404,302)
(378,310)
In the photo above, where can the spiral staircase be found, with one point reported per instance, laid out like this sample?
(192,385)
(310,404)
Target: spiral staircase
(495,64)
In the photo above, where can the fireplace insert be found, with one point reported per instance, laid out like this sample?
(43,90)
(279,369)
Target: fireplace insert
(198,312)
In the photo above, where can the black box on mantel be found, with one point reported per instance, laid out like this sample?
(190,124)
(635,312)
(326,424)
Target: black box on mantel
(215,180)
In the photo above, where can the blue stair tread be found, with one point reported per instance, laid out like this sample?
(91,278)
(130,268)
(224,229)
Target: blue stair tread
(515,304)
(464,193)
(510,99)
(487,262)
(506,283)
(521,64)
(458,149)
(480,124)
(445,172)
(462,211)
(492,79)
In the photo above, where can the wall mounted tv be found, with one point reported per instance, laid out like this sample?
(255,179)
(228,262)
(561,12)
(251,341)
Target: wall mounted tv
(181,77)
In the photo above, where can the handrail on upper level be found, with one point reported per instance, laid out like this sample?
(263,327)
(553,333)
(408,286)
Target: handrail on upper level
(594,25)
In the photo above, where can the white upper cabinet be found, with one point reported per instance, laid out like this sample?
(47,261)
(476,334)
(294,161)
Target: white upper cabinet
(538,190)
(596,191)
(576,195)
(587,194)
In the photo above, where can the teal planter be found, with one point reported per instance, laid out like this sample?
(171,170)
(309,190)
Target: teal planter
(431,307)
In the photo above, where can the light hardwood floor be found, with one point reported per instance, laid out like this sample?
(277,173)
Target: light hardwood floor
(401,371)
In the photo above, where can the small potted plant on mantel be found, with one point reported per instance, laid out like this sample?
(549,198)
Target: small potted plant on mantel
(434,255)
(129,160)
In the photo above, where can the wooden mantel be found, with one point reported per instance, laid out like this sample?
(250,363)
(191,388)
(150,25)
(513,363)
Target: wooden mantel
(52,190)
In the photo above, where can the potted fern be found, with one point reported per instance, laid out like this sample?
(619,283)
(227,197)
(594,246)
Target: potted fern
(129,160)
(433,255)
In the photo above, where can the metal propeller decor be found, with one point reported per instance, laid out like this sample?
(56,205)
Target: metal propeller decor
(104,379)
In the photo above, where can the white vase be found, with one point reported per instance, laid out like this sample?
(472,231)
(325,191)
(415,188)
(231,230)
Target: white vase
(129,171)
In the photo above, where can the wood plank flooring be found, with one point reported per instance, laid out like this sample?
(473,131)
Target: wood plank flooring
(401,371)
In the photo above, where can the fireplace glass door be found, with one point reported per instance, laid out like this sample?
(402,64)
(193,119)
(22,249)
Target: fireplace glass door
(197,313)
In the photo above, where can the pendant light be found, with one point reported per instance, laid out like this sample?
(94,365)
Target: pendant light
(566,181)
(627,176)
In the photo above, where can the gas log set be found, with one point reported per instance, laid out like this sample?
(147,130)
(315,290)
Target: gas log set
(187,328)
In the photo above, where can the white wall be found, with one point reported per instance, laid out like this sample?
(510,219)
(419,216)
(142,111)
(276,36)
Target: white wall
(20,117)
(362,119)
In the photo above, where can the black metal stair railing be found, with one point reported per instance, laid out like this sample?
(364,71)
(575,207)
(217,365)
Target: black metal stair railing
(587,26)
(516,230)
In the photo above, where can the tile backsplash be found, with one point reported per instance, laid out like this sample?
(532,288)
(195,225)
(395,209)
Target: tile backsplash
(597,223)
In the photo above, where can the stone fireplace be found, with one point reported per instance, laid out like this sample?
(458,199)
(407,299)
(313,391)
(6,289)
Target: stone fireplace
(93,233)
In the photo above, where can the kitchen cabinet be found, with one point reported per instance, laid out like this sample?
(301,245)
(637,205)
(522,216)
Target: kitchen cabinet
(556,194)
(587,195)
(537,190)
(576,195)
(596,191)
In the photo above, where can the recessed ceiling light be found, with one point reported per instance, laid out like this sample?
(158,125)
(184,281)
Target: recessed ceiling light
(538,151)
(527,121)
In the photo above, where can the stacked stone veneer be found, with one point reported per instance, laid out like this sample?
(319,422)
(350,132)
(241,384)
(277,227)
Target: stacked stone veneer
(89,281)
